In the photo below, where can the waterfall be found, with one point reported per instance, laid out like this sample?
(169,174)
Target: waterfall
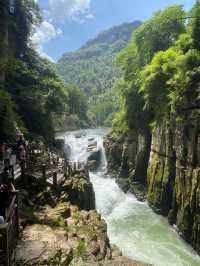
(132,225)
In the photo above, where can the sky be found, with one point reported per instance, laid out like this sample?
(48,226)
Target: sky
(68,24)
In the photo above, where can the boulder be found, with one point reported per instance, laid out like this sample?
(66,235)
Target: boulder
(124,184)
(80,192)
(92,165)
(94,158)
(78,135)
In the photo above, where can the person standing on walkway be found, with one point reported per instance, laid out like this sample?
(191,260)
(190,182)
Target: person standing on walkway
(22,155)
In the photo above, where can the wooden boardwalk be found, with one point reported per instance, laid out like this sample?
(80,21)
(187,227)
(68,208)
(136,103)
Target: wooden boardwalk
(53,173)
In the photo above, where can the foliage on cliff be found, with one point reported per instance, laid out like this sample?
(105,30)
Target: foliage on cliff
(37,92)
(91,68)
(33,89)
(7,115)
(161,65)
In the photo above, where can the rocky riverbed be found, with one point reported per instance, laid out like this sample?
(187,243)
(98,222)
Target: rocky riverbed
(62,227)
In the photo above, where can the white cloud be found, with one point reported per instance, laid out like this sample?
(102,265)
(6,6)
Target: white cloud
(90,16)
(69,9)
(45,33)
(45,55)
(56,13)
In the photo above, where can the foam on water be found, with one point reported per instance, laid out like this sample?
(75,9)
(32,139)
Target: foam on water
(132,225)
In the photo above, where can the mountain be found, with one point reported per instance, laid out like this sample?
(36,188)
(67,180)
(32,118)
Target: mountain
(91,67)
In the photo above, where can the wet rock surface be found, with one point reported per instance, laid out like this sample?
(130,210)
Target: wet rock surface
(94,158)
(61,227)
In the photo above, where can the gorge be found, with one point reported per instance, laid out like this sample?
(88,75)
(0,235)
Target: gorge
(140,233)
(139,79)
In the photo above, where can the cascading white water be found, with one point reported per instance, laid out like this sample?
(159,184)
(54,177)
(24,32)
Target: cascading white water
(132,225)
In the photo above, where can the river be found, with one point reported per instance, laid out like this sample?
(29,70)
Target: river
(139,232)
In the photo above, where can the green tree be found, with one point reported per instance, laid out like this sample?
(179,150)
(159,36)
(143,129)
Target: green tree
(8,117)
(77,102)
(169,84)
(156,34)
(196,25)
(154,82)
(38,92)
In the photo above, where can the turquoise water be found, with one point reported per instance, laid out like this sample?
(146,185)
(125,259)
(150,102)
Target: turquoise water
(140,233)
(132,225)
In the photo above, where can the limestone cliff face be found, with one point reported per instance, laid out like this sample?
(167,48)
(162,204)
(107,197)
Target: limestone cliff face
(161,170)
(174,175)
(113,148)
(128,158)
(171,174)
(122,152)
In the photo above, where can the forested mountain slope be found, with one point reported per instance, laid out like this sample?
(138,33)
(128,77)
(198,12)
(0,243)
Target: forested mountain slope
(91,67)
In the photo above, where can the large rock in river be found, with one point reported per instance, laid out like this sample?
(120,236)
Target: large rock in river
(80,192)
(94,159)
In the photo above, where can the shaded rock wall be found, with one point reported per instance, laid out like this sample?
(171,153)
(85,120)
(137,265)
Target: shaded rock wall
(174,175)
(114,149)
(128,158)
(161,170)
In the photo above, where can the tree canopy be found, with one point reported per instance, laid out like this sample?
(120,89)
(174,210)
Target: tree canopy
(32,90)
(161,68)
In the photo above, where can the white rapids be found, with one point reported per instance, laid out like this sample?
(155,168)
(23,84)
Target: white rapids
(132,225)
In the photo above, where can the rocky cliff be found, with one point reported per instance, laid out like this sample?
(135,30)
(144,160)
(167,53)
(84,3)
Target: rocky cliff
(128,158)
(173,170)
(174,174)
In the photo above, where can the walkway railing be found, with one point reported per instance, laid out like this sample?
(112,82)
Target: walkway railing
(9,232)
(55,171)
(52,173)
